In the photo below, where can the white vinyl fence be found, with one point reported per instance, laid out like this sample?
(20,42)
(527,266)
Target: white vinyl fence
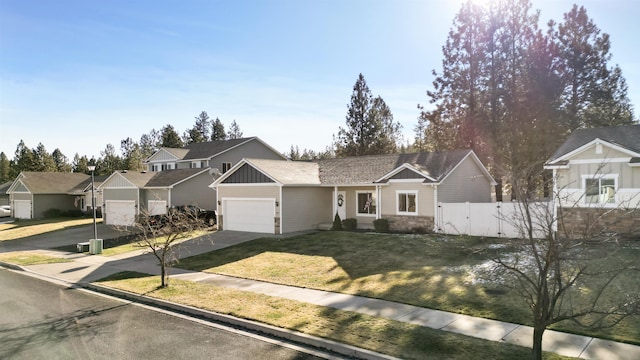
(488,219)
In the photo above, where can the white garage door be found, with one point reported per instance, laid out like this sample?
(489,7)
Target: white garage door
(22,209)
(121,213)
(157,207)
(255,215)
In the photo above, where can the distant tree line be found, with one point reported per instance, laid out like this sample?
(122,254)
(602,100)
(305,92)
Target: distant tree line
(132,153)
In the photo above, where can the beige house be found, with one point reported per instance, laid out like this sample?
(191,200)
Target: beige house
(276,196)
(597,179)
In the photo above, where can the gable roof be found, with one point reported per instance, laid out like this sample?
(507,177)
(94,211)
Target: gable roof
(626,137)
(50,182)
(370,169)
(206,150)
(361,170)
(161,179)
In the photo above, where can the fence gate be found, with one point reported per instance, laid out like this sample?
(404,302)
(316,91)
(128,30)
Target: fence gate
(482,219)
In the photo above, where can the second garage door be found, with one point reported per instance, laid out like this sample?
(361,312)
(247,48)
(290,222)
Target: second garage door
(255,215)
(22,209)
(121,213)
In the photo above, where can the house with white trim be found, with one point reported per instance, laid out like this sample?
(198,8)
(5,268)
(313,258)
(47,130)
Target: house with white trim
(597,180)
(278,196)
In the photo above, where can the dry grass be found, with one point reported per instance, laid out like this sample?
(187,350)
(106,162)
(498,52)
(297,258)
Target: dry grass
(381,335)
(25,258)
(25,228)
(137,245)
(424,270)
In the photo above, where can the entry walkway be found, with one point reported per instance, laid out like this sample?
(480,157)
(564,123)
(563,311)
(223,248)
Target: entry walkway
(87,268)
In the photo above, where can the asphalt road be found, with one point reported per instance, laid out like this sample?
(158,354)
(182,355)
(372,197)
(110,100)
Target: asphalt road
(42,320)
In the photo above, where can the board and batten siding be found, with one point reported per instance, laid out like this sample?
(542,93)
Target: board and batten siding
(303,208)
(425,197)
(467,183)
(247,174)
(607,153)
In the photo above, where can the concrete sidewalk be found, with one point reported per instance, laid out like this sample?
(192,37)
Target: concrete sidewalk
(88,268)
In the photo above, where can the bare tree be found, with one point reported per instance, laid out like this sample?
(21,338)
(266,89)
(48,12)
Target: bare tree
(162,233)
(580,279)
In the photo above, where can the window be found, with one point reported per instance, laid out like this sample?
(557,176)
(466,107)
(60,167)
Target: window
(600,190)
(225,167)
(196,164)
(407,203)
(366,203)
(166,167)
(154,168)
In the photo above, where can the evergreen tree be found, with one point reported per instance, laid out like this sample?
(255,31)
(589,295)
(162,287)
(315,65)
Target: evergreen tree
(149,143)
(23,160)
(61,161)
(169,137)
(109,161)
(132,156)
(200,130)
(217,130)
(80,164)
(43,159)
(594,93)
(234,131)
(5,168)
(370,126)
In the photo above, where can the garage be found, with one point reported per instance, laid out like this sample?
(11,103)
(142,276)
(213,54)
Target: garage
(22,209)
(120,212)
(157,207)
(253,215)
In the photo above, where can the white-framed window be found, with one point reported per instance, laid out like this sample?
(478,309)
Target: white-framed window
(225,167)
(407,202)
(196,164)
(155,168)
(166,167)
(367,202)
(600,189)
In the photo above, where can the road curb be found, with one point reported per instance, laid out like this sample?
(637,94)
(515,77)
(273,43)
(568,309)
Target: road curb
(297,337)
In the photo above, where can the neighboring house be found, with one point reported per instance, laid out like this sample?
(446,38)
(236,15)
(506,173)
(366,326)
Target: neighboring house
(33,193)
(597,180)
(127,194)
(220,155)
(4,196)
(276,196)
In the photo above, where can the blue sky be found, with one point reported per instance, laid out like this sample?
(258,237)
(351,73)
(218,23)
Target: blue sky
(77,75)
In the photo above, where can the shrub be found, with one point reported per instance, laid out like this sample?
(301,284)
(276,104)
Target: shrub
(337,223)
(381,225)
(54,213)
(350,224)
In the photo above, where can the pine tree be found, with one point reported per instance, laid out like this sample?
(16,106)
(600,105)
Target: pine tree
(234,131)
(217,130)
(169,137)
(370,128)
(61,161)
(5,168)
(80,164)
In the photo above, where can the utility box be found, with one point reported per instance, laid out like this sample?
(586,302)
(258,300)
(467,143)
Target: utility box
(95,246)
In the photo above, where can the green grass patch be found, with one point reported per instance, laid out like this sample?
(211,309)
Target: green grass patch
(430,271)
(377,334)
(25,258)
(25,228)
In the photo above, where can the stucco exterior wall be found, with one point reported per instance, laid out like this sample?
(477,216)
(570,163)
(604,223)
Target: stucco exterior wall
(304,208)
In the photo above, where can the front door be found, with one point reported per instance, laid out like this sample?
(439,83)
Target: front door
(342,204)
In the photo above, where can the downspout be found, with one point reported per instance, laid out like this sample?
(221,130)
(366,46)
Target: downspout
(379,206)
(168,200)
(279,208)
(554,203)
(436,218)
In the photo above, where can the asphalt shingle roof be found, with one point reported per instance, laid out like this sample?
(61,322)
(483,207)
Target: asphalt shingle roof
(627,137)
(205,150)
(53,182)
(367,169)
(358,170)
(289,172)
(171,177)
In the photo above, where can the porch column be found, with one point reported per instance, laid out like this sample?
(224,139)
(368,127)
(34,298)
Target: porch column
(379,205)
(335,202)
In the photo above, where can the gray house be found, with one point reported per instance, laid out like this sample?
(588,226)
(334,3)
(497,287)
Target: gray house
(597,180)
(127,194)
(276,196)
(221,155)
(33,193)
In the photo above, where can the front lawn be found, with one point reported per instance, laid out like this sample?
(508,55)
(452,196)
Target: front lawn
(385,336)
(25,258)
(25,228)
(430,271)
